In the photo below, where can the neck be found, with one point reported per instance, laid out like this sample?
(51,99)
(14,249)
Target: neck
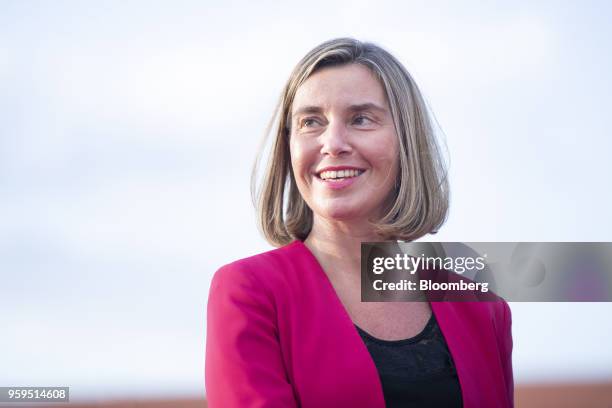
(337,244)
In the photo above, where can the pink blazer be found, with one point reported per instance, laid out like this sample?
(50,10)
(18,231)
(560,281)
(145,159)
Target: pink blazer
(279,336)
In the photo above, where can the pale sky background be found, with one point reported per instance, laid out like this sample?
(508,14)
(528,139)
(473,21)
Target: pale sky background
(128,130)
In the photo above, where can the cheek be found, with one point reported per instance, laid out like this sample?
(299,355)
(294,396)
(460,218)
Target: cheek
(300,162)
(384,154)
(302,158)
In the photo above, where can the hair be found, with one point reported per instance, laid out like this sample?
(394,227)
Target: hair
(421,196)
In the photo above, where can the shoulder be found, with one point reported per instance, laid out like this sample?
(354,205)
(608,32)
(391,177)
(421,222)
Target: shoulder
(502,318)
(481,308)
(495,314)
(493,309)
(261,284)
(264,268)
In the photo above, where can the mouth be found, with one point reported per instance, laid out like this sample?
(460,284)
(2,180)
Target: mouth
(339,175)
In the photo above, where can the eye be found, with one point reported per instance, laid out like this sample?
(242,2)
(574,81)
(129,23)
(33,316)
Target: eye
(309,123)
(361,120)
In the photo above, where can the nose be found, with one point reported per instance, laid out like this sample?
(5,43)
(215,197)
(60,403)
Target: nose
(335,140)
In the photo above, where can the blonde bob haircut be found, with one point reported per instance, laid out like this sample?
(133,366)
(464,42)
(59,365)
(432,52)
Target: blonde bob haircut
(421,196)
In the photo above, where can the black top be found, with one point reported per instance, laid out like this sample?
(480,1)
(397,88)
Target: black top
(416,372)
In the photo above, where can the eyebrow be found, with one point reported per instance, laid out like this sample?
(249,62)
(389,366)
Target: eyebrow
(367,106)
(352,108)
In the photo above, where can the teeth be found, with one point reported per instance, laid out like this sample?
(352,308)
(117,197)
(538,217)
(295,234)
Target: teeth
(326,175)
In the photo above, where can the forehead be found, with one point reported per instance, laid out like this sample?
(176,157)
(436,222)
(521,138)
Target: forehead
(341,85)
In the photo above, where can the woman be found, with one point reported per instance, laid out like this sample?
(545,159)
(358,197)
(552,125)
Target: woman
(354,160)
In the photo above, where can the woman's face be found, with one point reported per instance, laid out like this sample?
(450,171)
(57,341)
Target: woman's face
(343,144)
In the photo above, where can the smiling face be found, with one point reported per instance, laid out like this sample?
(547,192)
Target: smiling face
(343,144)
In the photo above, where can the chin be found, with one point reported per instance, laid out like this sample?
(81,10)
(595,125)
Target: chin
(342,213)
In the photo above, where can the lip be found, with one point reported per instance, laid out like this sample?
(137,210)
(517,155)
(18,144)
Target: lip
(338,184)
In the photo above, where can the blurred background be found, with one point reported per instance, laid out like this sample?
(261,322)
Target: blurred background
(127,134)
